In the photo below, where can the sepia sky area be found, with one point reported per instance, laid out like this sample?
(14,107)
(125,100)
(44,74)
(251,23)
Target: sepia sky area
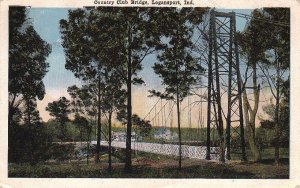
(46,23)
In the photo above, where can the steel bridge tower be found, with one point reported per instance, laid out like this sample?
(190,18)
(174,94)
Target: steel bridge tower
(224,87)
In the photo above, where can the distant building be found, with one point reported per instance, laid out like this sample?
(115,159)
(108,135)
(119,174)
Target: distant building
(165,134)
(121,136)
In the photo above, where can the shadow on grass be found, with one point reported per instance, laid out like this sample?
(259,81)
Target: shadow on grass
(198,171)
(154,166)
(284,161)
(138,171)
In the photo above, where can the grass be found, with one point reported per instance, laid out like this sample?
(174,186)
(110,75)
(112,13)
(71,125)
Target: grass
(146,165)
(198,169)
(267,154)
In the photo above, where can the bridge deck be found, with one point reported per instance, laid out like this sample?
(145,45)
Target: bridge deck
(198,152)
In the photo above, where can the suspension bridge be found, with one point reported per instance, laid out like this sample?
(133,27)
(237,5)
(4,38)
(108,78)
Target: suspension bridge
(215,104)
(213,109)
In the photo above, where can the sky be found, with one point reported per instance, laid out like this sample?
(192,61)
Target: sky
(46,23)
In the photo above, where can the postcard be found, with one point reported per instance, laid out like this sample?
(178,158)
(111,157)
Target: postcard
(152,93)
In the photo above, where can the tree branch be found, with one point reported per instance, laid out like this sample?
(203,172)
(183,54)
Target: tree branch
(267,76)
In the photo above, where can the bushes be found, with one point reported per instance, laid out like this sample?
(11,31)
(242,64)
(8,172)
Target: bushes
(265,137)
(19,144)
(61,152)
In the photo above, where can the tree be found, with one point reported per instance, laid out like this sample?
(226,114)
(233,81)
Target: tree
(177,67)
(76,107)
(144,127)
(28,139)
(60,110)
(85,98)
(269,123)
(285,112)
(31,119)
(275,68)
(83,123)
(27,61)
(82,47)
(88,97)
(135,42)
(114,98)
(76,102)
(108,37)
(261,51)
(27,68)
(253,47)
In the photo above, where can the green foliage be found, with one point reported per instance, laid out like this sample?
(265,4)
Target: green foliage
(177,66)
(144,127)
(270,123)
(260,44)
(284,116)
(72,132)
(61,152)
(76,103)
(20,144)
(113,96)
(253,41)
(28,140)
(30,115)
(84,127)
(60,110)
(27,68)
(27,57)
(268,49)
(80,121)
(95,40)
(113,42)
(279,40)
(17,17)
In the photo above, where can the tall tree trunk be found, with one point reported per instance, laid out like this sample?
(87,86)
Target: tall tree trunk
(209,94)
(178,123)
(178,101)
(99,122)
(129,108)
(250,114)
(88,145)
(80,132)
(250,128)
(222,142)
(11,110)
(277,131)
(109,140)
(255,149)
(253,112)
(63,131)
(95,123)
(30,132)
